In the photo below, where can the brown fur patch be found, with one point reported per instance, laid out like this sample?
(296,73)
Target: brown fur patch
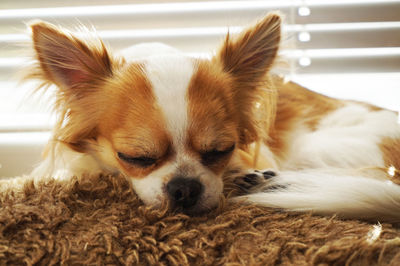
(247,58)
(212,114)
(68,61)
(296,105)
(371,107)
(101,221)
(390,148)
(79,68)
(133,121)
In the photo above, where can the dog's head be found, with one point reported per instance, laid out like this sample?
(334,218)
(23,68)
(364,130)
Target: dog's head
(168,122)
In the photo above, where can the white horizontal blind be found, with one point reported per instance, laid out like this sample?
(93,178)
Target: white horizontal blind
(345,48)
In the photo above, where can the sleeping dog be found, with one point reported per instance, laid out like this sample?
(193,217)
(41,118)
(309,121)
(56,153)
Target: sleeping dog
(178,127)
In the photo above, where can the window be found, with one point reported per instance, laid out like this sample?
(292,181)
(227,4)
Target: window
(343,48)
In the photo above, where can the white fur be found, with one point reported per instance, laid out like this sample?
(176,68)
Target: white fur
(62,163)
(326,169)
(170,76)
(347,138)
(150,188)
(144,50)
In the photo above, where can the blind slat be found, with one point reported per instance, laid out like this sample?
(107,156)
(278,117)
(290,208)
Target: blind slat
(202,14)
(386,29)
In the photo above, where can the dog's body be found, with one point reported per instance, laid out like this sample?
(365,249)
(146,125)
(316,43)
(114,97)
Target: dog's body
(178,127)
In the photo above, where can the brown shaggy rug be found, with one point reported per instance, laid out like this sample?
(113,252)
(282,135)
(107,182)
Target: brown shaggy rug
(100,221)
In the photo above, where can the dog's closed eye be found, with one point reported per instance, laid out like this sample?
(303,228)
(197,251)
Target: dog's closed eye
(211,156)
(141,161)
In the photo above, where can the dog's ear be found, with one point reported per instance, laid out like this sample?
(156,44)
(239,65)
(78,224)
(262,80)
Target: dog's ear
(66,60)
(247,58)
(79,67)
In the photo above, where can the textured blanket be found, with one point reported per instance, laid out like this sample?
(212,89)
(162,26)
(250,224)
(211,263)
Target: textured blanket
(100,221)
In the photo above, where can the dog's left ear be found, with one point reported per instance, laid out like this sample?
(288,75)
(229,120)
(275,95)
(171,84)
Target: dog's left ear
(247,58)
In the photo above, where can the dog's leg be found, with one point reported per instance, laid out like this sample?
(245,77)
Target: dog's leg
(324,191)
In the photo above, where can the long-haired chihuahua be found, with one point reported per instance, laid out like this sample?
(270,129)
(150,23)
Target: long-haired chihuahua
(178,127)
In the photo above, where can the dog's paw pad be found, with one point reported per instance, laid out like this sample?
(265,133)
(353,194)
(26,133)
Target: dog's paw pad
(254,180)
(267,174)
(248,181)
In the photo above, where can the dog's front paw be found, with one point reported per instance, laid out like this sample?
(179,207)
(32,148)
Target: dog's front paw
(254,181)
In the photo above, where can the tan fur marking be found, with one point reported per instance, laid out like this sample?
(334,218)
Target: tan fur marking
(297,104)
(390,148)
(247,58)
(67,60)
(371,107)
(134,122)
(212,114)
(79,68)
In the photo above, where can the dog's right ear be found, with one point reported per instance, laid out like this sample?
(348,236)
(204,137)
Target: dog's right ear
(79,67)
(68,61)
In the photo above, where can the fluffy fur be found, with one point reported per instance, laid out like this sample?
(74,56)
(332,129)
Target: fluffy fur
(179,127)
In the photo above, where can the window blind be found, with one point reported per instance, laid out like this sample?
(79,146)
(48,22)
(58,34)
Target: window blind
(343,48)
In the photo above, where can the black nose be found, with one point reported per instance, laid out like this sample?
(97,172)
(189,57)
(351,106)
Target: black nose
(184,192)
